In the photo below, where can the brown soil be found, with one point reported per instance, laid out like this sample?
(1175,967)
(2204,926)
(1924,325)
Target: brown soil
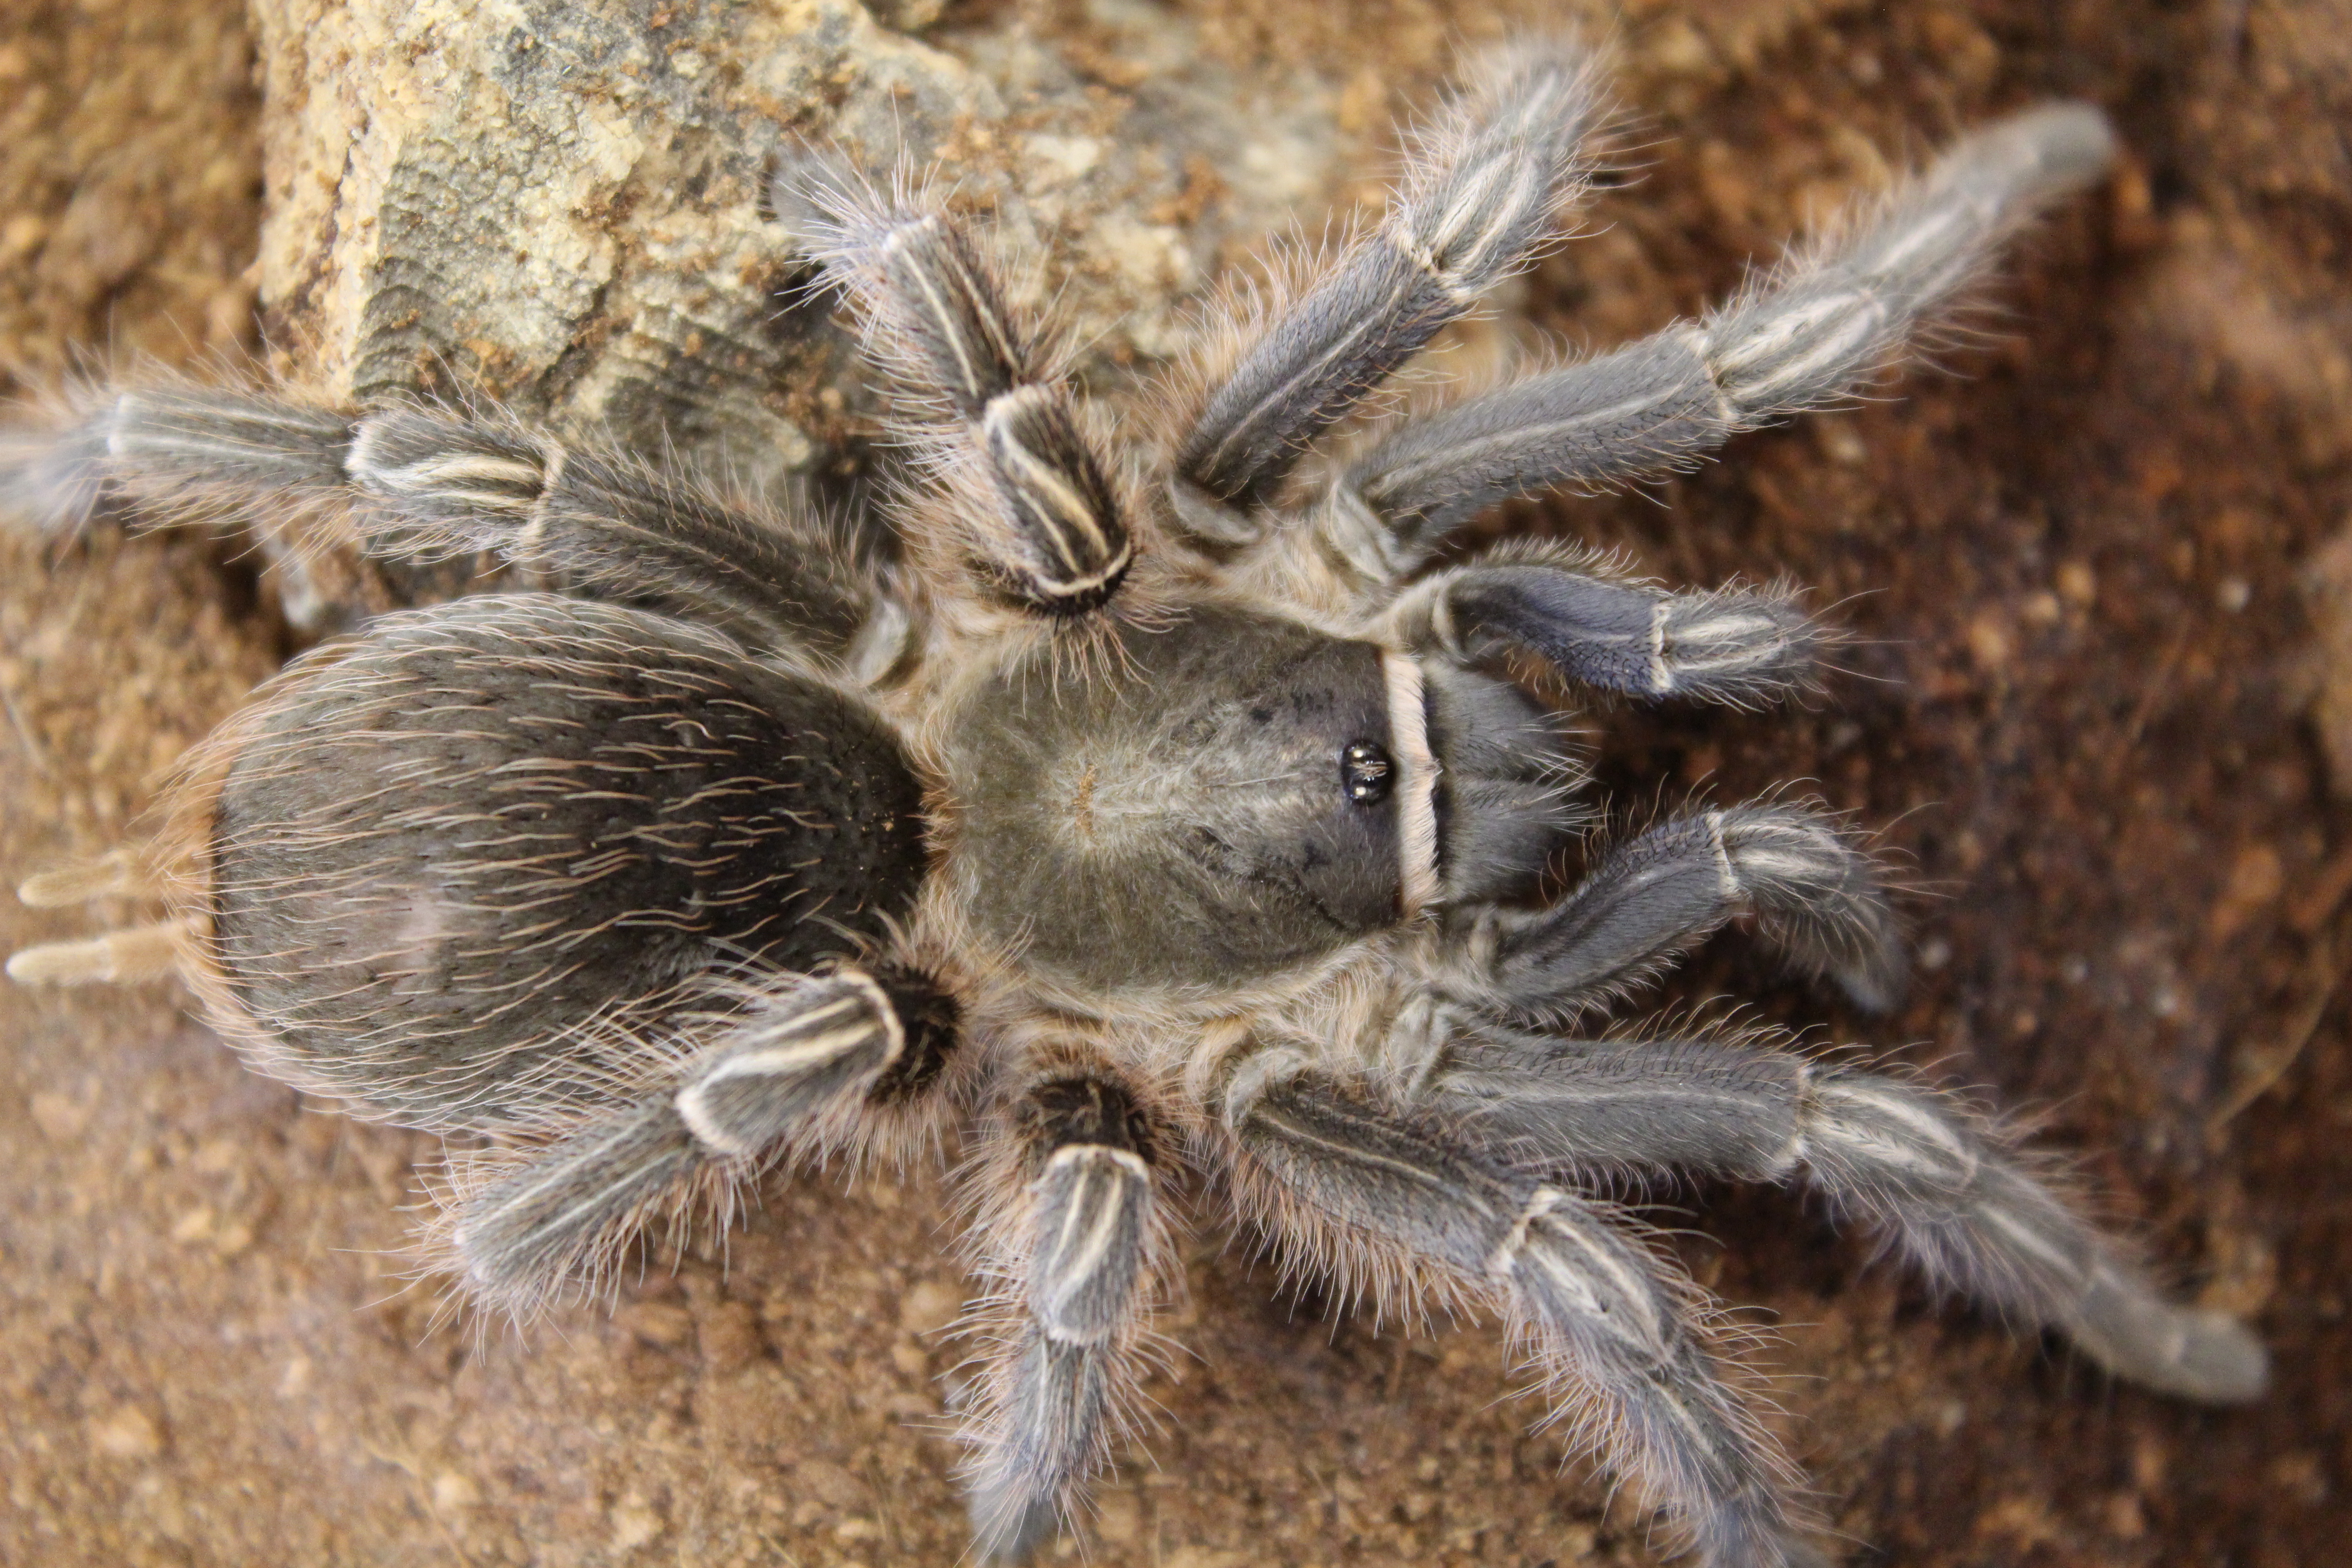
(2077,705)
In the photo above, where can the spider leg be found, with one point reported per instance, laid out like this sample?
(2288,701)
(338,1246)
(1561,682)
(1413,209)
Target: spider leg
(1384,1195)
(1806,338)
(1474,205)
(1813,892)
(427,484)
(798,1073)
(1737,646)
(1049,523)
(1913,1162)
(1077,1246)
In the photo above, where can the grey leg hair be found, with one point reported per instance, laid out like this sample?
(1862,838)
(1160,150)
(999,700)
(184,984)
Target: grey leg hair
(1477,201)
(1913,1162)
(612,527)
(1737,646)
(794,1073)
(1809,336)
(1359,1183)
(1813,894)
(432,484)
(208,455)
(1643,1107)
(1078,1258)
(1905,1158)
(1053,526)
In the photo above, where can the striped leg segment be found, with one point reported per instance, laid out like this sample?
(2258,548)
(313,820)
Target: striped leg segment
(794,1073)
(1814,895)
(1351,1180)
(1079,1257)
(1807,337)
(1611,1107)
(1913,1162)
(1477,204)
(1736,645)
(1050,525)
(612,527)
(431,484)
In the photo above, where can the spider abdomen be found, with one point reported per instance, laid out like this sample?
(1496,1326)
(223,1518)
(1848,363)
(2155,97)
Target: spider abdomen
(447,860)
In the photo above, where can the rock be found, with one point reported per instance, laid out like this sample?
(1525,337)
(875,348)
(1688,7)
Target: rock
(560,205)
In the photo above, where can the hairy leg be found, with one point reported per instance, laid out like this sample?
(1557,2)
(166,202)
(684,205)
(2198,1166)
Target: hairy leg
(987,404)
(1813,893)
(1938,1179)
(1474,207)
(1736,645)
(423,484)
(802,1068)
(1386,1196)
(1074,1232)
(1806,337)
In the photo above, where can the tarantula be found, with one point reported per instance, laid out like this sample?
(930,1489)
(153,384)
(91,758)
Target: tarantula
(1129,824)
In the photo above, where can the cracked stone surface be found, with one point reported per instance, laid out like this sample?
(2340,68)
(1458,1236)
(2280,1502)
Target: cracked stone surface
(2099,581)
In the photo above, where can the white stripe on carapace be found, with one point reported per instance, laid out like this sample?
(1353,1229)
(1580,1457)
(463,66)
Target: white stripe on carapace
(1417,786)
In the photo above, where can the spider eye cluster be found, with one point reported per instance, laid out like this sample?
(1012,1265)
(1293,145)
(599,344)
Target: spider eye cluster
(1366,772)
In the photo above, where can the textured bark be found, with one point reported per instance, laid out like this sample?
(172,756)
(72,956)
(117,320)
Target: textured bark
(561,205)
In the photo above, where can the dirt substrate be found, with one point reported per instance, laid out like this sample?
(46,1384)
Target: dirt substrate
(2078,706)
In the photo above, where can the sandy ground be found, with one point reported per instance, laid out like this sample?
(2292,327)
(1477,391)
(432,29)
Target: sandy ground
(2078,706)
